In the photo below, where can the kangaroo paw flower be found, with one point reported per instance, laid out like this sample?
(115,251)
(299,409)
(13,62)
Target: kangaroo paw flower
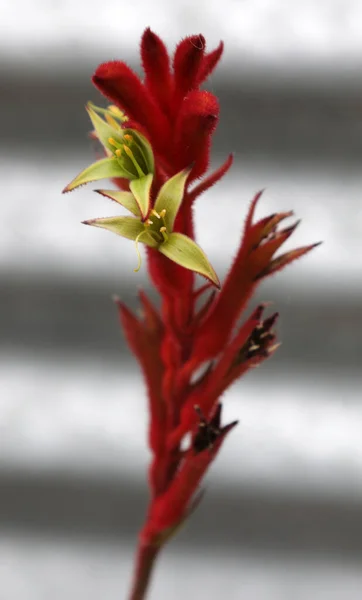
(155,139)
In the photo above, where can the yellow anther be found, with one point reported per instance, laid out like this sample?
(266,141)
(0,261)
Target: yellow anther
(128,151)
(162,213)
(253,348)
(149,222)
(118,152)
(130,154)
(112,122)
(117,112)
(163,230)
(153,212)
(128,137)
(112,142)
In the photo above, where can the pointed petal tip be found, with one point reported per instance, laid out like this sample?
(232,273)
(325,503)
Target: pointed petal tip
(68,188)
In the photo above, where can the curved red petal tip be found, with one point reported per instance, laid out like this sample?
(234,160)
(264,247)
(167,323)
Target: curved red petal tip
(187,62)
(250,215)
(209,62)
(156,65)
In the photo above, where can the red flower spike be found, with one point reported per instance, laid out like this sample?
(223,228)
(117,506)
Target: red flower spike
(120,85)
(170,122)
(156,65)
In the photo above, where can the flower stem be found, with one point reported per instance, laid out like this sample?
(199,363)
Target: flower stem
(145,559)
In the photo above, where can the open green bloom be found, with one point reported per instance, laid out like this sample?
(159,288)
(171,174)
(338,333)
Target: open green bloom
(156,230)
(129,155)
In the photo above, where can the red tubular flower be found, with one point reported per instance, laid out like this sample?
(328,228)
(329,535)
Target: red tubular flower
(253,262)
(156,65)
(145,338)
(153,151)
(171,508)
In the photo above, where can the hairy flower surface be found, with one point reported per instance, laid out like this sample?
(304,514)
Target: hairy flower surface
(156,138)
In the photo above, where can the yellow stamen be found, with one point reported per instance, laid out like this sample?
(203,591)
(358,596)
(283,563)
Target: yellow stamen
(163,230)
(127,137)
(130,154)
(112,142)
(118,152)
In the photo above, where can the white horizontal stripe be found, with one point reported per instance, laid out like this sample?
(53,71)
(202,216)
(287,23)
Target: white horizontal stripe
(297,432)
(41,230)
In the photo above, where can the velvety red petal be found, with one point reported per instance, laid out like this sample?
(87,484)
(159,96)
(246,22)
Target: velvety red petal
(156,65)
(187,61)
(121,85)
(285,259)
(196,122)
(145,342)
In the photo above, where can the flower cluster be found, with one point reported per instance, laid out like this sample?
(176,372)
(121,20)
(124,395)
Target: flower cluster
(156,137)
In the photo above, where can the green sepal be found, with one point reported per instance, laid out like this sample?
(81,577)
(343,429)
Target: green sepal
(185,252)
(141,189)
(127,227)
(170,197)
(103,130)
(102,169)
(125,199)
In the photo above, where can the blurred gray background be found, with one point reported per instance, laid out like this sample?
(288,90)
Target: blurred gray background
(282,515)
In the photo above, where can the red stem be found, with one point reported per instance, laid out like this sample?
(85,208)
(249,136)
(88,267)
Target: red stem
(146,556)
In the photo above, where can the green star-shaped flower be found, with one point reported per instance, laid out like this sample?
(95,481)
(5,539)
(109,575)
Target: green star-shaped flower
(156,230)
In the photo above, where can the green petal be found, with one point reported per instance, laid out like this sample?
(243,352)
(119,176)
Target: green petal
(141,189)
(128,227)
(170,197)
(126,199)
(103,129)
(102,169)
(185,252)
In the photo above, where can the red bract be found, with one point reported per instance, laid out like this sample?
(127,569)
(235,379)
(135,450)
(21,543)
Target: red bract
(178,119)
